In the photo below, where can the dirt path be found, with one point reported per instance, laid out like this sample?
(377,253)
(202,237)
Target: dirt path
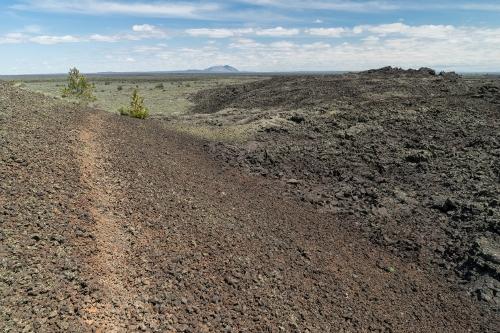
(109,264)
(152,235)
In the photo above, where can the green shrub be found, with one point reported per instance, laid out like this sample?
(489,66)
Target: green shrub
(159,86)
(119,88)
(78,87)
(107,83)
(123,111)
(136,108)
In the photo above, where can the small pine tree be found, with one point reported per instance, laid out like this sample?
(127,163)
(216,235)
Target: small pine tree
(78,87)
(136,108)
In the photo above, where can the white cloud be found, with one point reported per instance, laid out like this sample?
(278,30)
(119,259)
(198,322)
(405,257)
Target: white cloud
(149,31)
(423,31)
(480,7)
(339,5)
(371,39)
(50,40)
(13,38)
(148,48)
(327,32)
(93,7)
(139,32)
(146,28)
(226,33)
(243,43)
(374,5)
(277,32)
(143,28)
(283,45)
(218,33)
(357,30)
(105,38)
(383,30)
(317,46)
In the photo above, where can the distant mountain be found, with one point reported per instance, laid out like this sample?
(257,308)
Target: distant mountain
(221,69)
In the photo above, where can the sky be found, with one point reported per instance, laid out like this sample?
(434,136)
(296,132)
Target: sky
(50,36)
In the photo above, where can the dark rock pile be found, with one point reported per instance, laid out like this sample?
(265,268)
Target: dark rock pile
(415,158)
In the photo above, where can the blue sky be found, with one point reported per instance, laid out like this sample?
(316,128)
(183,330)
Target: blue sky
(50,36)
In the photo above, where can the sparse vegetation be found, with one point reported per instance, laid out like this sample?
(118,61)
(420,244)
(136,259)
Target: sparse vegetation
(168,101)
(159,86)
(136,108)
(78,87)
(390,269)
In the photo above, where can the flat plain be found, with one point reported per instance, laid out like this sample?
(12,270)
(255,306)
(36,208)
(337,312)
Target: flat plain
(164,94)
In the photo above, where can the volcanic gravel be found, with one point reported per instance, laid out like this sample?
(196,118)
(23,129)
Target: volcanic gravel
(115,224)
(413,156)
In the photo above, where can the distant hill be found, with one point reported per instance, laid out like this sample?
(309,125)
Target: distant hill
(226,69)
(221,69)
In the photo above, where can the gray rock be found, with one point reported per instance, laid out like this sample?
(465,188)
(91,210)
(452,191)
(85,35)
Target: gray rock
(489,249)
